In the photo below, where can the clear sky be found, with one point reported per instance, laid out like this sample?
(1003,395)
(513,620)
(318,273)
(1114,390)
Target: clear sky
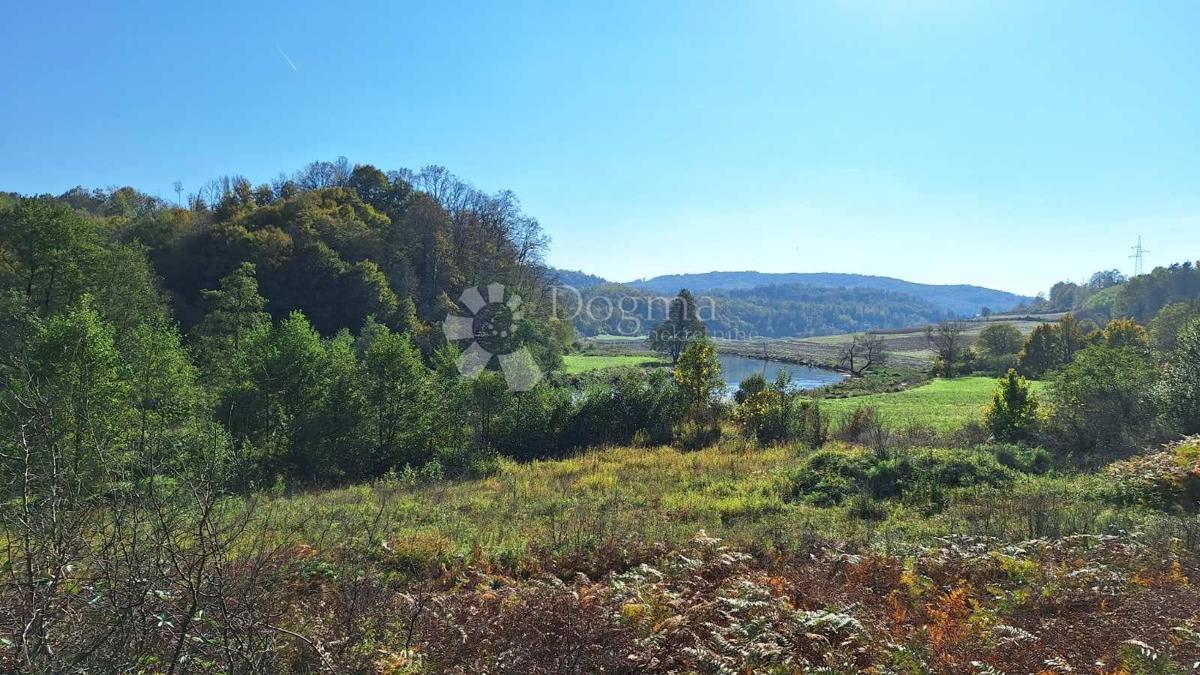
(1008,143)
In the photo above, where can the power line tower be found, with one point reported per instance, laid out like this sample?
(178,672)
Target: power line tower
(1139,253)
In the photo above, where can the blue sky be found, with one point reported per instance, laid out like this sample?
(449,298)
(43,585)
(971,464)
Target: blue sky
(1007,144)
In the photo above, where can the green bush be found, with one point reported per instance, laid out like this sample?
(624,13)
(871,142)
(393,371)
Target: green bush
(829,477)
(1020,458)
(696,435)
(773,412)
(865,426)
(1102,400)
(1013,413)
(960,468)
(888,478)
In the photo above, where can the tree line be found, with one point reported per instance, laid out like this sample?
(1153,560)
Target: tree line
(1111,388)
(1109,294)
(164,368)
(770,311)
(314,358)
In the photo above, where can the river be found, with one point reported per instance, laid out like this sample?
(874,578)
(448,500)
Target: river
(734,369)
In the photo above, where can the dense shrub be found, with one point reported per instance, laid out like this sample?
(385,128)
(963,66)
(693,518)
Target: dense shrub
(532,423)
(1168,479)
(638,405)
(864,426)
(1102,400)
(554,421)
(960,468)
(829,477)
(696,435)
(1020,458)
(773,413)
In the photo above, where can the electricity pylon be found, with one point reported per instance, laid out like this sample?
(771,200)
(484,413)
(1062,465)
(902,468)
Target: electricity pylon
(1139,253)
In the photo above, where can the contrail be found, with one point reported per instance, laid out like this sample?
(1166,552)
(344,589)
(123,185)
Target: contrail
(285,58)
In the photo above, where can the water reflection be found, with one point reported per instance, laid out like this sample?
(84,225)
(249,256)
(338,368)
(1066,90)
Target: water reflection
(734,369)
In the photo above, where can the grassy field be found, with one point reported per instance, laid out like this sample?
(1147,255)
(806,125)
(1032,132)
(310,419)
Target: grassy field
(653,494)
(733,490)
(906,347)
(574,364)
(942,404)
(638,547)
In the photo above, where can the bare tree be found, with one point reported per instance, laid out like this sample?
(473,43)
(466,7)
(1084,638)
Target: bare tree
(949,343)
(864,352)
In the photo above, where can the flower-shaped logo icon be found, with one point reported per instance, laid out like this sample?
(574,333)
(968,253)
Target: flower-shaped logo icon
(491,327)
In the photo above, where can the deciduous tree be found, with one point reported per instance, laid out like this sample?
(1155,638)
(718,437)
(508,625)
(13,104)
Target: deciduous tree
(1102,399)
(698,374)
(864,352)
(1179,390)
(949,344)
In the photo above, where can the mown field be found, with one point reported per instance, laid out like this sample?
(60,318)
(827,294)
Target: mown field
(906,347)
(575,364)
(940,404)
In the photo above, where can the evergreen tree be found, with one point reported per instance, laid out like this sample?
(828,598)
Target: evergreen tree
(681,327)
(236,311)
(1012,415)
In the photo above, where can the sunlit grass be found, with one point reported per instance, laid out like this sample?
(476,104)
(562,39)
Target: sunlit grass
(574,364)
(735,491)
(940,404)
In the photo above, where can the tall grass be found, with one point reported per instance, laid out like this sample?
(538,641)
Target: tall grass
(733,490)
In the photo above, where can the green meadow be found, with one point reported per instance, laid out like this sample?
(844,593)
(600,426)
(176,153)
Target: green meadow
(575,364)
(941,404)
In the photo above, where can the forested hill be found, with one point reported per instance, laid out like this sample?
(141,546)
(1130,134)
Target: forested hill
(785,310)
(1109,294)
(958,299)
(575,278)
(336,241)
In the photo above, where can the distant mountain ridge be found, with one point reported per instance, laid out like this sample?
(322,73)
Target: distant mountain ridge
(957,299)
(781,310)
(574,278)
